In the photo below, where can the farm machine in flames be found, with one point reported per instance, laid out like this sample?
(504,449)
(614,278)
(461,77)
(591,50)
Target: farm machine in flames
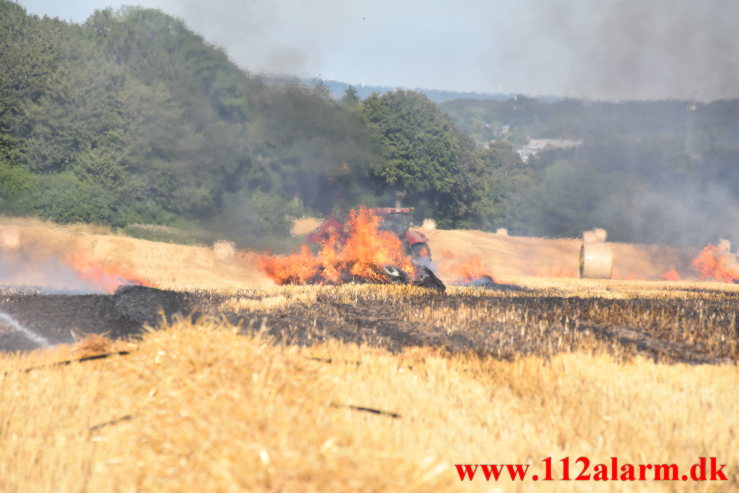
(395,220)
(369,246)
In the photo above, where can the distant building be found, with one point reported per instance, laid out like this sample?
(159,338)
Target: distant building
(535,146)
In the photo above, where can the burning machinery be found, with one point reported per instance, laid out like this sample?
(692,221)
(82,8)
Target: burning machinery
(393,220)
(370,246)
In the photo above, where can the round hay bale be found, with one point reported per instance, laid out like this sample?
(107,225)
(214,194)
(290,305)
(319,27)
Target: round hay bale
(600,234)
(597,235)
(596,261)
(429,224)
(224,251)
(10,237)
(501,232)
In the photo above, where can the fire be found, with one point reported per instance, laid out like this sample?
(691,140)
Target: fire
(104,276)
(465,270)
(713,263)
(358,252)
(671,275)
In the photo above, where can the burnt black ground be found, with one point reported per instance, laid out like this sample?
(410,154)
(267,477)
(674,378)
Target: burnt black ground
(55,316)
(509,326)
(679,330)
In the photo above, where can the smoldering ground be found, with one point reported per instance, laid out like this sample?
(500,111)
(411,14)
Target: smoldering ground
(503,325)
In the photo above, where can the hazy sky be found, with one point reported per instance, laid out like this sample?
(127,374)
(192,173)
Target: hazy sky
(603,49)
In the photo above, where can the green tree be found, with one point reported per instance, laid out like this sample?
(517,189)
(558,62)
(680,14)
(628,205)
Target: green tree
(350,97)
(503,173)
(426,159)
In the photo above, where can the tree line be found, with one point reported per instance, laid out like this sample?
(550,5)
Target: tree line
(132,118)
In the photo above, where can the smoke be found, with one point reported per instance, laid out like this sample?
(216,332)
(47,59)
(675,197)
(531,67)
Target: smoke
(263,36)
(639,194)
(609,49)
(685,216)
(53,261)
(44,271)
(612,49)
(631,49)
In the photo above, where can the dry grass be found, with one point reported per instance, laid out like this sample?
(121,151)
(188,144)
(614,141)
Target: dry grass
(205,408)
(165,265)
(667,324)
(180,267)
(538,286)
(625,289)
(40,224)
(270,299)
(511,256)
(208,410)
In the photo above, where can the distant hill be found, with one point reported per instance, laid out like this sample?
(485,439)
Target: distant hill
(338,88)
(697,128)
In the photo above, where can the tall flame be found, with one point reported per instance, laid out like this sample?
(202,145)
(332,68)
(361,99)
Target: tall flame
(713,263)
(359,252)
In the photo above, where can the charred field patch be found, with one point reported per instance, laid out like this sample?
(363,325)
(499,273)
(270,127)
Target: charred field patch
(692,327)
(505,325)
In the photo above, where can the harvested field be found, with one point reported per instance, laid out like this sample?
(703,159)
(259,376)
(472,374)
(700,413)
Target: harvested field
(215,381)
(204,407)
(505,325)
(510,256)
(506,257)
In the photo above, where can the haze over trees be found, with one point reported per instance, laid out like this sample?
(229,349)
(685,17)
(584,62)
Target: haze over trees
(132,118)
(651,171)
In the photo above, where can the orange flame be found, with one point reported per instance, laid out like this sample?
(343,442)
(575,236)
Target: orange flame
(671,275)
(359,252)
(713,263)
(104,276)
(464,270)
